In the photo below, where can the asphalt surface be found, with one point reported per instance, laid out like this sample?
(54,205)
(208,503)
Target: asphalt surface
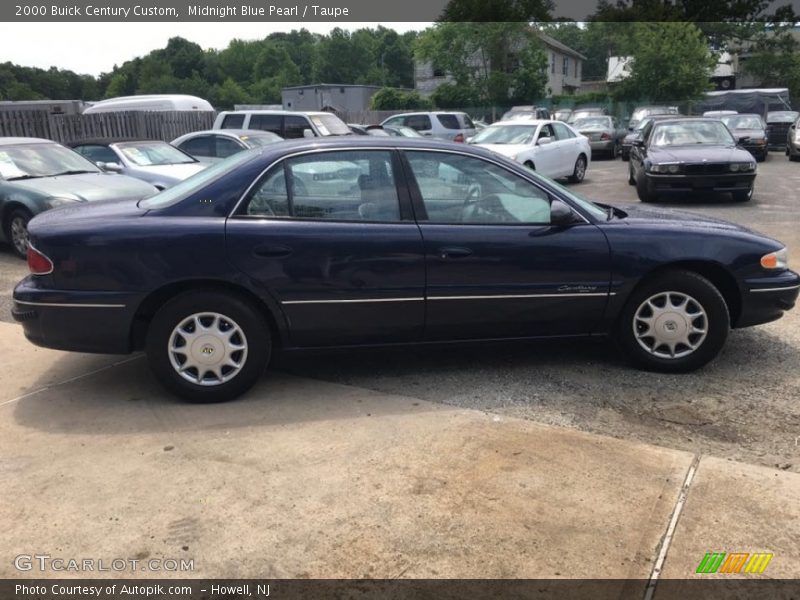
(743,406)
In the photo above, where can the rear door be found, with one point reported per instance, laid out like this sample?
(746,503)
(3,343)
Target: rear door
(331,237)
(496,266)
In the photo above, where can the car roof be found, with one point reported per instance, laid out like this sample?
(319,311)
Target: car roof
(16,141)
(427,112)
(228,132)
(108,142)
(522,122)
(680,119)
(258,111)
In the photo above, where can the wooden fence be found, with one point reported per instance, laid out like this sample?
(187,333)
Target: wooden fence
(133,125)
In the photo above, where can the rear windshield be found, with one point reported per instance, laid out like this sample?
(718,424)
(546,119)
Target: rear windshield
(330,125)
(449,121)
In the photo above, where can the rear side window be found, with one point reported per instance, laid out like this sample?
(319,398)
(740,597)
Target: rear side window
(449,121)
(341,186)
(273,123)
(199,146)
(562,131)
(418,122)
(226,147)
(234,121)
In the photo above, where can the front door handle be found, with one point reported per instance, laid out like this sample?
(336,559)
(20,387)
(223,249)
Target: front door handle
(454,252)
(271,251)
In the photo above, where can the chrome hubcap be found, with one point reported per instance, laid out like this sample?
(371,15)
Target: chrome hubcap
(580,169)
(19,234)
(207,349)
(670,325)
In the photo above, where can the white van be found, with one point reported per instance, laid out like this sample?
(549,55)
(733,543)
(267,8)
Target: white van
(150,102)
(285,123)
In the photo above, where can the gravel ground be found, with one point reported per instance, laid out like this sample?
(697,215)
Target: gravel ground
(743,406)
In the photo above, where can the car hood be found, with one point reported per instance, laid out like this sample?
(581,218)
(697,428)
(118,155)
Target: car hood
(174,172)
(699,153)
(638,215)
(753,133)
(505,149)
(88,187)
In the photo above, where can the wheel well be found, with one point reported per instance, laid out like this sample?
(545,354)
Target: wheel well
(716,274)
(9,208)
(150,305)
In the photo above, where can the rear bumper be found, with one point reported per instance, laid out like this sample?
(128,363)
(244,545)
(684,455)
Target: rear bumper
(766,299)
(602,145)
(733,182)
(74,321)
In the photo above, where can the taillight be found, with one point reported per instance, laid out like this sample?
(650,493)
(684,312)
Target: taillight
(605,136)
(459,138)
(38,263)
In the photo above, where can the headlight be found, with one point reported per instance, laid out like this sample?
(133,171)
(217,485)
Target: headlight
(56,202)
(671,168)
(742,167)
(776,260)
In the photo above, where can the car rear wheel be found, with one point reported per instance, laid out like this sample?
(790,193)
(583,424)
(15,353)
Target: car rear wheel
(579,172)
(16,230)
(208,346)
(676,322)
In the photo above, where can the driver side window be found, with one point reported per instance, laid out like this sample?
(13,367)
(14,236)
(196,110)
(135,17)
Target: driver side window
(461,189)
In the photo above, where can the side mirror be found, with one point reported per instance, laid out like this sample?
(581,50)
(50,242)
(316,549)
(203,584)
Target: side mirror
(307,133)
(543,141)
(109,167)
(561,214)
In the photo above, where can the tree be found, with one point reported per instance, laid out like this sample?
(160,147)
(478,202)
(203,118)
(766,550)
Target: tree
(494,62)
(497,11)
(394,99)
(671,62)
(775,60)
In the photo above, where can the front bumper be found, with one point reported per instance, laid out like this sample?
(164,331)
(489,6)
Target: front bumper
(728,182)
(765,299)
(98,322)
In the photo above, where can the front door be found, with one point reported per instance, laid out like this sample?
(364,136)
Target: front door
(548,161)
(330,236)
(496,267)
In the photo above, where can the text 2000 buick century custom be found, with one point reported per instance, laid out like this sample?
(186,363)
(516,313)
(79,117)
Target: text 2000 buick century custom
(369,241)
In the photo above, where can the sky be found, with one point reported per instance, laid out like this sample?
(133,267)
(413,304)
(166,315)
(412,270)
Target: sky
(95,48)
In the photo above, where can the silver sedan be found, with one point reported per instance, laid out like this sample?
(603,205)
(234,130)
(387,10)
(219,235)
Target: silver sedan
(605,134)
(214,145)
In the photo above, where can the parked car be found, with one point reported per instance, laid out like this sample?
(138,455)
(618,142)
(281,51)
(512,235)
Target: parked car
(459,245)
(793,143)
(287,124)
(605,134)
(402,131)
(562,114)
(686,155)
(589,111)
(526,112)
(38,174)
(551,148)
(640,112)
(450,126)
(155,162)
(778,124)
(213,145)
(719,113)
(150,102)
(636,135)
(751,132)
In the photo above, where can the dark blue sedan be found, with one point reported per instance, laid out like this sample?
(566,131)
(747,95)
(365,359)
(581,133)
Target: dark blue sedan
(374,241)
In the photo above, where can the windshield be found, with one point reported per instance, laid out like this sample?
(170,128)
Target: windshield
(505,134)
(641,113)
(153,154)
(743,122)
(592,122)
(582,114)
(197,181)
(28,161)
(690,133)
(260,139)
(330,125)
(782,116)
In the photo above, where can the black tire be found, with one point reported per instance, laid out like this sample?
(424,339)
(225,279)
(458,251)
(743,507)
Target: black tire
(579,171)
(257,341)
(17,217)
(625,155)
(643,191)
(704,294)
(631,178)
(742,196)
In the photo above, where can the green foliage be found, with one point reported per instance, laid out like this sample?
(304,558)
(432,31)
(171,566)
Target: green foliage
(494,63)
(571,100)
(671,62)
(775,60)
(497,11)
(395,99)
(452,95)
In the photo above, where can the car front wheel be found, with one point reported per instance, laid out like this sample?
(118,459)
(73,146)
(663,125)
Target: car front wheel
(16,230)
(208,346)
(676,322)
(643,190)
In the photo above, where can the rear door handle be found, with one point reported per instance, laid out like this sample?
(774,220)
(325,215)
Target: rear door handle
(270,251)
(454,252)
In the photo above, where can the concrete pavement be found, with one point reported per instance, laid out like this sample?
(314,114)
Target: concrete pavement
(302,478)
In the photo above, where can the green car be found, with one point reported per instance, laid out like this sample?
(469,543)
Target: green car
(38,174)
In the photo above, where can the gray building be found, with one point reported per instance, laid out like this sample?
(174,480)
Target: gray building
(326,96)
(564,70)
